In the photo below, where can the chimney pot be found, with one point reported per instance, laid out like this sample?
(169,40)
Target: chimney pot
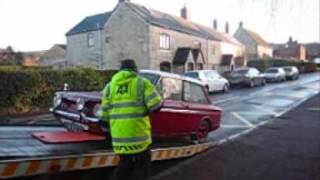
(184,12)
(240,24)
(215,24)
(227,27)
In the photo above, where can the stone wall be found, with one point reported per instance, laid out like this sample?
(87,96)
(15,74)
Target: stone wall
(211,49)
(126,35)
(250,45)
(80,54)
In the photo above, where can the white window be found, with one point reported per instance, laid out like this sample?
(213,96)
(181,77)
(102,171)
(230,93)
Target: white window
(164,41)
(90,40)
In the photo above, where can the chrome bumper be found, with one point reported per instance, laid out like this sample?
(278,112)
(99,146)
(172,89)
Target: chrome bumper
(73,116)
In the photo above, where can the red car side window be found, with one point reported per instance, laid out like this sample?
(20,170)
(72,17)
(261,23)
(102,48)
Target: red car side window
(194,93)
(171,89)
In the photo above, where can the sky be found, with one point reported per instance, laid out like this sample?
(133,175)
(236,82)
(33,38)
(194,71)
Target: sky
(29,25)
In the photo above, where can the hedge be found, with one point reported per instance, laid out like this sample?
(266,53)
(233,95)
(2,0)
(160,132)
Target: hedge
(27,90)
(263,64)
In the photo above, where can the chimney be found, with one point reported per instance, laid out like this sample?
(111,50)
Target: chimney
(184,13)
(290,39)
(227,27)
(215,24)
(240,24)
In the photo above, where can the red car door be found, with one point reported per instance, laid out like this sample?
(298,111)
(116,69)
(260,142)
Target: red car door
(166,121)
(198,106)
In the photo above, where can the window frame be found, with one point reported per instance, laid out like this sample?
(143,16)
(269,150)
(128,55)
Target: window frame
(164,41)
(202,89)
(90,40)
(161,87)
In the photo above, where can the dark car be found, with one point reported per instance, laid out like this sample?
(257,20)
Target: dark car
(292,72)
(246,77)
(186,108)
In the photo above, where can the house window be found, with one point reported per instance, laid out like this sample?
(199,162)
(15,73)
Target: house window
(164,41)
(190,67)
(165,66)
(90,40)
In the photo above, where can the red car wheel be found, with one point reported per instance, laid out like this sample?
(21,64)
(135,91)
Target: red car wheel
(203,131)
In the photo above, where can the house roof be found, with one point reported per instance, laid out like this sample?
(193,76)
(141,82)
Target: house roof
(62,46)
(257,38)
(176,23)
(181,55)
(313,49)
(90,23)
(156,18)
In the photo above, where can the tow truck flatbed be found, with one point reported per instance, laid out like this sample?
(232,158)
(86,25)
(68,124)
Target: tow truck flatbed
(21,154)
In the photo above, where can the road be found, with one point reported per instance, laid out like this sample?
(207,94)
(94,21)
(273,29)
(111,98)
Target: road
(244,110)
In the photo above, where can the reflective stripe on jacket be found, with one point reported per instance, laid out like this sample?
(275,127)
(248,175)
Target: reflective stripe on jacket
(126,103)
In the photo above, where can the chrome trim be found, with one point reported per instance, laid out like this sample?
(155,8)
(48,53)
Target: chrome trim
(68,115)
(92,119)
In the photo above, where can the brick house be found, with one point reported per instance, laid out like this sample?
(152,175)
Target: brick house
(155,39)
(256,46)
(290,50)
(55,57)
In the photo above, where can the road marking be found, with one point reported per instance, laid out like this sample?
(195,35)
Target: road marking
(225,100)
(232,126)
(266,110)
(242,119)
(314,109)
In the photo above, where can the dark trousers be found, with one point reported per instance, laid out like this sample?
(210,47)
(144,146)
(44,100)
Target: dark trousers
(134,167)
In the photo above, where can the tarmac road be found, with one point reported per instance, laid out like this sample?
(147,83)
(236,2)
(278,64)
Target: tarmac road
(244,110)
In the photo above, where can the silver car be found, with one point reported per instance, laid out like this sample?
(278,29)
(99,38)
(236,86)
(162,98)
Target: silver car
(275,74)
(292,72)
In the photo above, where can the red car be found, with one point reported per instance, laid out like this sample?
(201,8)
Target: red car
(186,108)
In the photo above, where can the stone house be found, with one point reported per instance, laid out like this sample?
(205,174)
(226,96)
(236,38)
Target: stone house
(256,46)
(156,40)
(54,57)
(290,50)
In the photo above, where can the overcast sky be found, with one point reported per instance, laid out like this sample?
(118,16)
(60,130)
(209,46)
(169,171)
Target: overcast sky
(38,24)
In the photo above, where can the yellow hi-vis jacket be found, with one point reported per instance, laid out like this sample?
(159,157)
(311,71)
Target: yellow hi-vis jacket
(126,103)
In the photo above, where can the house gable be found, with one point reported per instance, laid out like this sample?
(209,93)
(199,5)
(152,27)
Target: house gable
(127,35)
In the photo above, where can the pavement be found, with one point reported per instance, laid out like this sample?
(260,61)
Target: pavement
(286,148)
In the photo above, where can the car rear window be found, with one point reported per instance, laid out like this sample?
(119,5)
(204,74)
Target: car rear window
(241,71)
(288,69)
(194,93)
(272,71)
(192,74)
(153,78)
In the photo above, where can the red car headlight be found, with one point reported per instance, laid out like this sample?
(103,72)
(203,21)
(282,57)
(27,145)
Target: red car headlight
(96,109)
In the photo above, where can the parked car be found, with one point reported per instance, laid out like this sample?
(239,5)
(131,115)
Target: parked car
(247,77)
(292,72)
(275,74)
(211,78)
(186,108)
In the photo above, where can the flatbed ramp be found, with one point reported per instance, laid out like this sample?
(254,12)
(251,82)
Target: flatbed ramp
(23,155)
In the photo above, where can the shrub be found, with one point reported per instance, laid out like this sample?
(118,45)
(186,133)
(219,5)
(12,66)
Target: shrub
(28,89)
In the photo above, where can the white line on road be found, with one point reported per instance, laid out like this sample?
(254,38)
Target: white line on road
(264,109)
(232,126)
(225,100)
(242,119)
